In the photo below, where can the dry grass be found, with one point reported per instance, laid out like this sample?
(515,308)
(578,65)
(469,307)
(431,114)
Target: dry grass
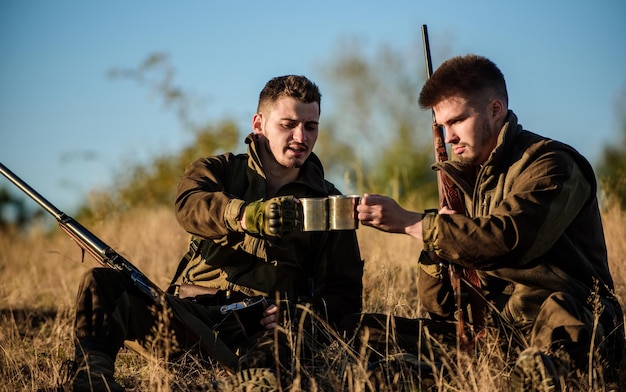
(40,272)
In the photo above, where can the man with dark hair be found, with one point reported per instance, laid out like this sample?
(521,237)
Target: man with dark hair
(532,230)
(244,214)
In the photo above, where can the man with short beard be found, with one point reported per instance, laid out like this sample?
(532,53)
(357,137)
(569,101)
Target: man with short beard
(531,230)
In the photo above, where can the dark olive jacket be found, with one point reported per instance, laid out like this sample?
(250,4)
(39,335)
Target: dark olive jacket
(533,226)
(323,266)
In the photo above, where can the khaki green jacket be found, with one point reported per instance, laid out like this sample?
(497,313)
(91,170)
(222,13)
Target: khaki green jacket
(323,266)
(533,224)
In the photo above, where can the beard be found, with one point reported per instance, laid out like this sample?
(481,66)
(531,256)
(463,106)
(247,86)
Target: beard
(288,163)
(478,153)
(468,160)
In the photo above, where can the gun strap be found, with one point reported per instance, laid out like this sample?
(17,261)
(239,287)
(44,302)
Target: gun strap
(194,246)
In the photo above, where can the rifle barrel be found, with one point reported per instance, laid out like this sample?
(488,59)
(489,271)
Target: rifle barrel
(106,255)
(73,226)
(33,194)
(429,62)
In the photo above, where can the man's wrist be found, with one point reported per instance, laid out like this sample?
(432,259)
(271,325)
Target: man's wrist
(234,214)
(415,229)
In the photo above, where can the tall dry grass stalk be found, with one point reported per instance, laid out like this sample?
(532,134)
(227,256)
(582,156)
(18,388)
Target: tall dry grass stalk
(40,273)
(614,221)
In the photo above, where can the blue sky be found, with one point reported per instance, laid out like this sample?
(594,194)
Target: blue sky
(564,61)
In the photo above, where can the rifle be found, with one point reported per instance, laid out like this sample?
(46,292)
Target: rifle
(100,251)
(207,338)
(450,196)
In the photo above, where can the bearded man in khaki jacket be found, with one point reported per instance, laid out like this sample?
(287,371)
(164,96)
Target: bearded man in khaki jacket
(532,231)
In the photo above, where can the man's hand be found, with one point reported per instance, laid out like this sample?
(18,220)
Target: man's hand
(270,317)
(384,213)
(272,217)
(445,210)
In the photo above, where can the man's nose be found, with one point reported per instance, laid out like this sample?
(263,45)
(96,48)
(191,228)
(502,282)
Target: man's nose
(299,134)
(451,137)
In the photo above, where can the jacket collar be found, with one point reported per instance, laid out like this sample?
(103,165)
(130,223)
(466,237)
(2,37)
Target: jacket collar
(508,132)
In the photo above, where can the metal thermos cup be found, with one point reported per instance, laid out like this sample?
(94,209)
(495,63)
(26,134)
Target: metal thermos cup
(315,210)
(342,214)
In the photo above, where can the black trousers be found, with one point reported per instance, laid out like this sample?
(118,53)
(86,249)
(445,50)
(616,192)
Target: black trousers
(111,310)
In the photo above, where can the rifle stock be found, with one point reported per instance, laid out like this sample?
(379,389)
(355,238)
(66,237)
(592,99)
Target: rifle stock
(100,251)
(450,196)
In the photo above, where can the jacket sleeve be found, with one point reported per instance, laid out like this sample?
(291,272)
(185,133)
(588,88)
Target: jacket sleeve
(541,203)
(202,207)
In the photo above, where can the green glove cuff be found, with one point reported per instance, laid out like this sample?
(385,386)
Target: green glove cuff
(254,217)
(272,217)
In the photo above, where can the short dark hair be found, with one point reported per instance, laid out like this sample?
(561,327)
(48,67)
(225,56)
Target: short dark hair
(295,86)
(471,76)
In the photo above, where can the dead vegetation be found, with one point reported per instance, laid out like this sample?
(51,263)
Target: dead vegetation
(40,272)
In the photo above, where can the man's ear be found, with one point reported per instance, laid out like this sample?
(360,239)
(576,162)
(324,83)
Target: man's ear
(257,123)
(497,110)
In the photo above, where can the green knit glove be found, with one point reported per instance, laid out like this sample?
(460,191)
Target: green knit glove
(272,217)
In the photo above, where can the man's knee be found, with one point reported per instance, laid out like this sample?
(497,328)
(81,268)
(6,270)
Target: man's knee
(561,318)
(564,324)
